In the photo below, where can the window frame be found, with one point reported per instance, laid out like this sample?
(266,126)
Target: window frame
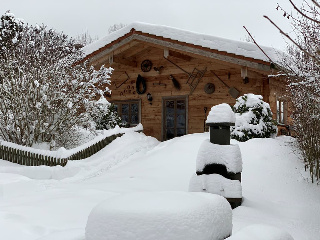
(280,111)
(119,104)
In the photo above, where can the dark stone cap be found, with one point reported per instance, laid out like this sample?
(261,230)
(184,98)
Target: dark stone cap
(222,124)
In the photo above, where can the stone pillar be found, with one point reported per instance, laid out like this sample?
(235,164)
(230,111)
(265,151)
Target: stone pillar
(219,164)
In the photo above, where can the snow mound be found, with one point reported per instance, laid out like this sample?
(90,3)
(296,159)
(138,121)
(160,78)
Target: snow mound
(260,232)
(161,216)
(227,155)
(12,185)
(70,234)
(251,100)
(216,184)
(221,44)
(221,113)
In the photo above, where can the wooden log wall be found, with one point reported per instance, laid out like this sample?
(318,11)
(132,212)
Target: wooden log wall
(151,115)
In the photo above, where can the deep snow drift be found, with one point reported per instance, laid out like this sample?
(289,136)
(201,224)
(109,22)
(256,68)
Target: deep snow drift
(43,207)
(161,216)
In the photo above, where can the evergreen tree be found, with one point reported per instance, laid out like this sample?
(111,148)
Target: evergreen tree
(110,119)
(253,119)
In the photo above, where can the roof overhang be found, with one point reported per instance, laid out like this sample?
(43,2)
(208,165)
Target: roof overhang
(177,45)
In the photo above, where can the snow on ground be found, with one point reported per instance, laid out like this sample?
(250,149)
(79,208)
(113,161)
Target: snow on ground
(57,201)
(161,216)
(260,232)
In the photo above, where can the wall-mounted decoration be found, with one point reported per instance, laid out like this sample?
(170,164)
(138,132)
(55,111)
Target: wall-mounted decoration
(160,84)
(140,80)
(194,77)
(175,82)
(232,91)
(123,81)
(209,88)
(146,66)
(158,69)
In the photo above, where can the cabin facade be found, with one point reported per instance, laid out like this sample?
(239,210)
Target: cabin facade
(168,79)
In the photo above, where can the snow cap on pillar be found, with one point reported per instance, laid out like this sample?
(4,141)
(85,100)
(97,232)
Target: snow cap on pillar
(221,113)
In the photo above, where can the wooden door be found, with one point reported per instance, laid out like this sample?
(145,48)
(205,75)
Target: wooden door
(174,122)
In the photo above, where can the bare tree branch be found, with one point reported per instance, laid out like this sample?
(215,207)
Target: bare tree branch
(304,15)
(254,41)
(294,42)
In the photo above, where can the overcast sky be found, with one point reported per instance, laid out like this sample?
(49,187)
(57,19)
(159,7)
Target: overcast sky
(222,18)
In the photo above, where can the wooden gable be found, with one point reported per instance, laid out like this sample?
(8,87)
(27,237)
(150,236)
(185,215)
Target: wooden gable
(126,59)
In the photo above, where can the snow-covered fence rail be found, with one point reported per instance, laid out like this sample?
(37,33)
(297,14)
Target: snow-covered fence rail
(28,158)
(34,157)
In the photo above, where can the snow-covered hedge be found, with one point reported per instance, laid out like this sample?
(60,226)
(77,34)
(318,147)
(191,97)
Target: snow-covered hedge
(253,118)
(161,216)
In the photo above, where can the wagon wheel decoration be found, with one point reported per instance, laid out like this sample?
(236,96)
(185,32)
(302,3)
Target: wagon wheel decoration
(146,65)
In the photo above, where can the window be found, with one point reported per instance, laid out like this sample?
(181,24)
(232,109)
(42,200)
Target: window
(281,111)
(129,111)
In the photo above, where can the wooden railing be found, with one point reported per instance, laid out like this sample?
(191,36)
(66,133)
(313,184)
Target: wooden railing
(25,157)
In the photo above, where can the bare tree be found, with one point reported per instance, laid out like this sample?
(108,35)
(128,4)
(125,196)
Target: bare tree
(116,27)
(85,38)
(302,68)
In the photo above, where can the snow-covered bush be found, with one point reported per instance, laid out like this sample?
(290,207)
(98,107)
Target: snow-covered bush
(110,119)
(253,119)
(44,92)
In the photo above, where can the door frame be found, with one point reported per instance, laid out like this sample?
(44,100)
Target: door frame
(163,120)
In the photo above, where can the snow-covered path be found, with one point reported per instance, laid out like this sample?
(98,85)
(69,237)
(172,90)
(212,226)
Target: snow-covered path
(274,190)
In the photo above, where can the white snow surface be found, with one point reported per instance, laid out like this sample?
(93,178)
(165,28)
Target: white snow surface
(221,44)
(253,100)
(215,184)
(260,232)
(227,155)
(276,190)
(221,113)
(161,216)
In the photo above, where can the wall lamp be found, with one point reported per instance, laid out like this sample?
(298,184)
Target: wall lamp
(149,97)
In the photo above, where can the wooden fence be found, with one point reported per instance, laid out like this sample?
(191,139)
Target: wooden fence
(27,158)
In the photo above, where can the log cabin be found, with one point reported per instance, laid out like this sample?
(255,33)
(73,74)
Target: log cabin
(168,79)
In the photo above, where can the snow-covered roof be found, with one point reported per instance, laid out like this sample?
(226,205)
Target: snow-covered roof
(239,48)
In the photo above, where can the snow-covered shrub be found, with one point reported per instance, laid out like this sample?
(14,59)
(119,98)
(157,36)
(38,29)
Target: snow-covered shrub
(45,91)
(110,119)
(253,119)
